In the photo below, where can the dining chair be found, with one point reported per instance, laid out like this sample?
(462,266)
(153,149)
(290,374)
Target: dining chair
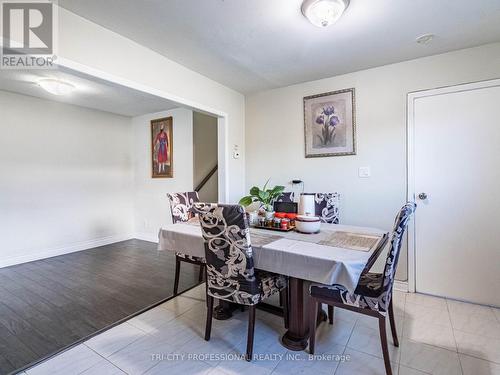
(181,205)
(373,294)
(326,207)
(231,275)
(286,196)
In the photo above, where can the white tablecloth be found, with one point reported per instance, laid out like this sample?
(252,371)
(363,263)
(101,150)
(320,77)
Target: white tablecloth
(291,253)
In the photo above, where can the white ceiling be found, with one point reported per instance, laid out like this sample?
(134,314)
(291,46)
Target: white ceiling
(90,92)
(252,45)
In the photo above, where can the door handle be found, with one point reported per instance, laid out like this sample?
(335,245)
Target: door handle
(422,196)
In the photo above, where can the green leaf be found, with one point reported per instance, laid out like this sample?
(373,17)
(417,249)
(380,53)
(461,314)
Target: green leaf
(268,207)
(264,197)
(277,189)
(276,192)
(265,185)
(255,191)
(246,201)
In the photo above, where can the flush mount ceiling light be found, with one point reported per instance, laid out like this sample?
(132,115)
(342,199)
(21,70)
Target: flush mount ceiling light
(56,86)
(425,39)
(323,13)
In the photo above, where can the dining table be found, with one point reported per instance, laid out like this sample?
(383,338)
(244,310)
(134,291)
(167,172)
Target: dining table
(304,258)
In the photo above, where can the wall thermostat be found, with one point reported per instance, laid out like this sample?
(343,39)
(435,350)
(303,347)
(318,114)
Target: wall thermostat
(236,152)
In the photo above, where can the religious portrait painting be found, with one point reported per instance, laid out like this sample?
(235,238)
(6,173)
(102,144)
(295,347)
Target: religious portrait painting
(161,148)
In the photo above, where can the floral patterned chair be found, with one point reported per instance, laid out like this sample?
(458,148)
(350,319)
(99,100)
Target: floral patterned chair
(286,196)
(373,294)
(181,205)
(231,275)
(327,207)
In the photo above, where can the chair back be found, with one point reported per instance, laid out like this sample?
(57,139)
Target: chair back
(326,206)
(181,205)
(286,196)
(228,253)
(400,225)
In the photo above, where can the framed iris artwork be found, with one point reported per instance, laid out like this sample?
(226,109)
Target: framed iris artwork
(330,124)
(161,148)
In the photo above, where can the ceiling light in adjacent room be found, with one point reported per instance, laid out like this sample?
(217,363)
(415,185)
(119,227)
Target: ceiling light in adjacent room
(425,39)
(323,13)
(56,86)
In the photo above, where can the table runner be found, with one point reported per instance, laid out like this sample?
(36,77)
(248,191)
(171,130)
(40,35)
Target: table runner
(289,253)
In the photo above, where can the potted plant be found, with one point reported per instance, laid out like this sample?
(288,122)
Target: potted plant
(264,196)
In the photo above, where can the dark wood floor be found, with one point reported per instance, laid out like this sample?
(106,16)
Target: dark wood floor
(50,304)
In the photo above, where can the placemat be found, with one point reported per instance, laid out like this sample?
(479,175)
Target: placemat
(352,241)
(260,239)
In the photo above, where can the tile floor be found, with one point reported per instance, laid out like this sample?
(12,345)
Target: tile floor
(437,336)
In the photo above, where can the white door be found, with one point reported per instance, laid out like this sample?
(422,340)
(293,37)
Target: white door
(454,159)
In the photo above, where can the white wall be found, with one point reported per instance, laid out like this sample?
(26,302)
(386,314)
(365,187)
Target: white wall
(86,43)
(65,178)
(381,132)
(73,178)
(205,155)
(57,187)
(151,207)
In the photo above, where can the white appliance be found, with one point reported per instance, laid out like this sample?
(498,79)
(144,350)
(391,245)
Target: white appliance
(307,224)
(306,204)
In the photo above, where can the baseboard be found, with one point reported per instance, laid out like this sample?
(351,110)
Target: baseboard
(150,237)
(55,251)
(402,286)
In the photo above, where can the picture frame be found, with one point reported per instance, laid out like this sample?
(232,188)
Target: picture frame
(162,148)
(330,124)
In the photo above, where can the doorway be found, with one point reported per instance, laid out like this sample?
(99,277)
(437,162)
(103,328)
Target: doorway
(205,158)
(454,175)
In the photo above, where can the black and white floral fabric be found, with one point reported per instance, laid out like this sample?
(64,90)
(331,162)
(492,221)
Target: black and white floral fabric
(230,269)
(181,208)
(286,196)
(192,258)
(327,207)
(181,205)
(374,290)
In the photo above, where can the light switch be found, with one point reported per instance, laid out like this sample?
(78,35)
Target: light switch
(364,172)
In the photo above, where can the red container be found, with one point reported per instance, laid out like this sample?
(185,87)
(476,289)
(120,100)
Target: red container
(291,217)
(285,223)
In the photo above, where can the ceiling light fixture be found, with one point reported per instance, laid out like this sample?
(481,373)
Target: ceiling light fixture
(323,13)
(425,39)
(56,86)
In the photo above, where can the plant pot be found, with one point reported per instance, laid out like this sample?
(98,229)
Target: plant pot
(269,215)
(253,217)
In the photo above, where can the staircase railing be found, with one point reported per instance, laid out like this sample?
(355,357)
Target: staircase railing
(207,177)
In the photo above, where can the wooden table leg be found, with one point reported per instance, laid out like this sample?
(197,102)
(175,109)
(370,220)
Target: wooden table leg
(224,310)
(297,336)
